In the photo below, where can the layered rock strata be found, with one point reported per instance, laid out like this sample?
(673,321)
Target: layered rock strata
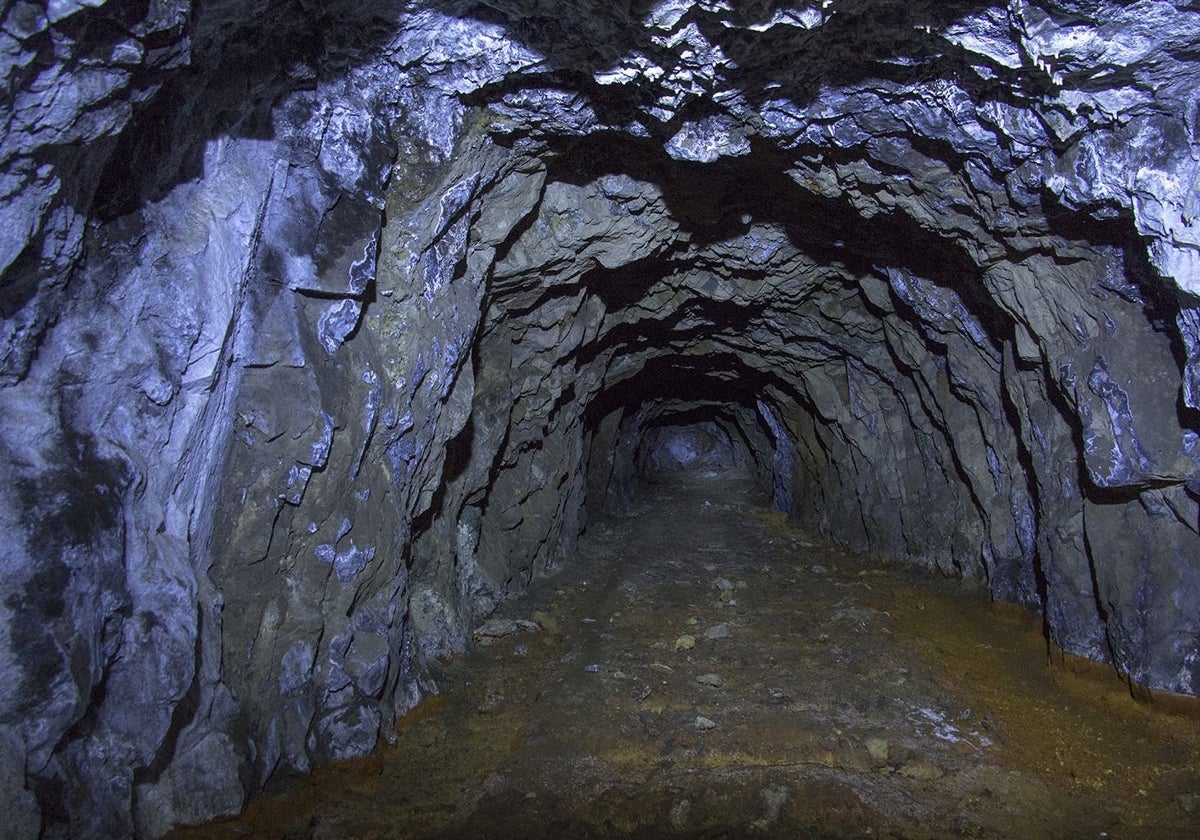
(326,327)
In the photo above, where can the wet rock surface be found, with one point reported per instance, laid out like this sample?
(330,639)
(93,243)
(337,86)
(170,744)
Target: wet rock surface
(866,701)
(325,328)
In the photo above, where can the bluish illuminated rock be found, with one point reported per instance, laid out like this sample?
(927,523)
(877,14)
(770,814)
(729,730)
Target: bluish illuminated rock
(324,330)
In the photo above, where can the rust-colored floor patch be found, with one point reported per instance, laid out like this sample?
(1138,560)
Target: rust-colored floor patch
(706,670)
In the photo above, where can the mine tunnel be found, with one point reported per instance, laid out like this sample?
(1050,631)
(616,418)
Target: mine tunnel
(362,364)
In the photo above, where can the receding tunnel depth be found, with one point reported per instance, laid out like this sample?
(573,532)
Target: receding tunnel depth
(354,330)
(666,436)
(706,445)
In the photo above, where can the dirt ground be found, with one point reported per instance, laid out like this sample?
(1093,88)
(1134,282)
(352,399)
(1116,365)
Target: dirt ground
(706,670)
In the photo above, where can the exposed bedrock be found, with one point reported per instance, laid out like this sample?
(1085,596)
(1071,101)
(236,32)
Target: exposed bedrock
(326,327)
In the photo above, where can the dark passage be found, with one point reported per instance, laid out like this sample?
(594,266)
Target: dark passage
(708,670)
(335,334)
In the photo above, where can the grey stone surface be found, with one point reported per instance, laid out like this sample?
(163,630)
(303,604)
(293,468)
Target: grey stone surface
(325,328)
(701,446)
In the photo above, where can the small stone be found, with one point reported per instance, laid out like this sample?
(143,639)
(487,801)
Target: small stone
(704,724)
(521,650)
(921,770)
(591,669)
(726,596)
(741,584)
(717,631)
(818,569)
(496,628)
(878,748)
(685,642)
(724,584)
(713,680)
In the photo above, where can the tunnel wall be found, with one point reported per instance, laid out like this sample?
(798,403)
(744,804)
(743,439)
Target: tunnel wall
(313,353)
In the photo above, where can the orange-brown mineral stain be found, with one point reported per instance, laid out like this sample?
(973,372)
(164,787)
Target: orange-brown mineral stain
(849,699)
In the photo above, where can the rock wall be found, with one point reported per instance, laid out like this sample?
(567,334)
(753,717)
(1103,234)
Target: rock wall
(707,446)
(324,328)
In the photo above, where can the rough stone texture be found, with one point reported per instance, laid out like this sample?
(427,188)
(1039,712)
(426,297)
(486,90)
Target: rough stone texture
(706,446)
(324,327)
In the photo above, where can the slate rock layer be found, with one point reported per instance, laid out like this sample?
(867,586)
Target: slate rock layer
(325,327)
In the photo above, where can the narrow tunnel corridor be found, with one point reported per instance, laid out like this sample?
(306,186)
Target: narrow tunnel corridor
(330,331)
(705,669)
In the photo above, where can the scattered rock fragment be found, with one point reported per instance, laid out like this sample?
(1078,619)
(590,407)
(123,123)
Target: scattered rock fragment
(921,771)
(495,628)
(717,631)
(685,642)
(878,748)
(712,680)
(705,724)
(724,584)
(498,628)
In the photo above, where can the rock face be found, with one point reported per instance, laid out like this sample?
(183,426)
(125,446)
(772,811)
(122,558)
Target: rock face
(324,327)
(704,446)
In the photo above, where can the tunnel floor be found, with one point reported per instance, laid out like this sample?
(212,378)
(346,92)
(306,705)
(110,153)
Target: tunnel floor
(824,696)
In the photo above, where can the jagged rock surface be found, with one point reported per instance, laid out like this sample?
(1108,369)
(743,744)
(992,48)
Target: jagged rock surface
(312,353)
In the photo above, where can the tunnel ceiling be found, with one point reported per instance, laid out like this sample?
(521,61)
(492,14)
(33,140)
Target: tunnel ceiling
(326,327)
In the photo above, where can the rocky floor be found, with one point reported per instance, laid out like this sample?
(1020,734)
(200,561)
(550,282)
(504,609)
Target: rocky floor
(708,671)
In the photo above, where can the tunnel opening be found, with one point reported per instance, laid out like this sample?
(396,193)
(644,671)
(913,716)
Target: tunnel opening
(692,441)
(390,317)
